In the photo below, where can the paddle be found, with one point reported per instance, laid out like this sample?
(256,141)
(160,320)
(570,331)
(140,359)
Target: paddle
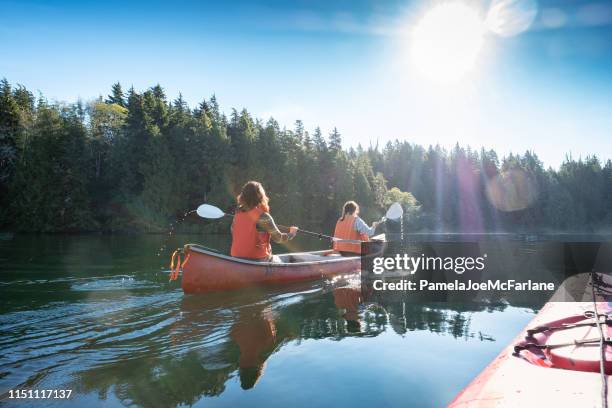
(211,212)
(394,212)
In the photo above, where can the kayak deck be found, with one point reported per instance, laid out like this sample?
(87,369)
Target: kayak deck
(515,378)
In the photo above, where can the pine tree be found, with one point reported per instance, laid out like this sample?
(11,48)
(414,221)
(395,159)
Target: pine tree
(116,95)
(64,207)
(137,163)
(24,98)
(9,129)
(318,140)
(335,141)
(156,107)
(9,115)
(215,112)
(299,130)
(137,131)
(106,124)
(158,199)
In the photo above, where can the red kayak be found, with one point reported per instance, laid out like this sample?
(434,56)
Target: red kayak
(205,270)
(560,359)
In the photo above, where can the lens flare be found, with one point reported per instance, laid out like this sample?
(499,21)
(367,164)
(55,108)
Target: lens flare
(512,190)
(508,18)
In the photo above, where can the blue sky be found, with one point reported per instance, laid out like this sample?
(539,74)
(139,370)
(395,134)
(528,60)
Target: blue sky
(547,88)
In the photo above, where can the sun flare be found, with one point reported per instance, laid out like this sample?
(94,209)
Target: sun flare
(446,41)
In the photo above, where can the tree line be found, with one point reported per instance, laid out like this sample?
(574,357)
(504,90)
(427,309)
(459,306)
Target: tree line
(135,161)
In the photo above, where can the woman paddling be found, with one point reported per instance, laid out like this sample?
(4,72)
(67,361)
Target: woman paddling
(253,226)
(351,227)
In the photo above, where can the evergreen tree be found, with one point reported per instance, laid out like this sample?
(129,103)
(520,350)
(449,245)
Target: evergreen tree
(130,152)
(116,95)
(9,129)
(59,135)
(106,124)
(137,163)
(319,142)
(24,98)
(335,141)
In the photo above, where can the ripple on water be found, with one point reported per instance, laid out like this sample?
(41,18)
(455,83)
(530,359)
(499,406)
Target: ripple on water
(91,332)
(121,282)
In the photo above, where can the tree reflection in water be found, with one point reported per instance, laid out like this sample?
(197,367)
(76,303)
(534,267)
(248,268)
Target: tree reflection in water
(220,336)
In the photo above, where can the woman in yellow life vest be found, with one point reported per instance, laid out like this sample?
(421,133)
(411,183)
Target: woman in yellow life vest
(351,227)
(253,226)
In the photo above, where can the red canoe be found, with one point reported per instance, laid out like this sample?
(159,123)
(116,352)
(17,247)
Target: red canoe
(205,270)
(556,359)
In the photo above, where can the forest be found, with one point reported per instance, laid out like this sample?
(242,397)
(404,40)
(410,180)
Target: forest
(137,162)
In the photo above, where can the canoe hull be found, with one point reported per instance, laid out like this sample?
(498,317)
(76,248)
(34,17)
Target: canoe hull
(207,271)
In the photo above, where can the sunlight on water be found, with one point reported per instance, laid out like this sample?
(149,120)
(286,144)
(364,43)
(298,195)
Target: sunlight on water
(115,331)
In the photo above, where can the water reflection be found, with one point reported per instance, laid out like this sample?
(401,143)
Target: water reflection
(347,298)
(122,335)
(223,338)
(255,334)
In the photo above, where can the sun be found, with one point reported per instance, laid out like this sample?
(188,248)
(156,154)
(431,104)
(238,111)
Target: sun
(446,41)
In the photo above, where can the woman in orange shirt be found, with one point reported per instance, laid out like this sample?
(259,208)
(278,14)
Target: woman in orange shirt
(352,228)
(253,226)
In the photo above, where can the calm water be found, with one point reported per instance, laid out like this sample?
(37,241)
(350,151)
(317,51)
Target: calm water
(97,315)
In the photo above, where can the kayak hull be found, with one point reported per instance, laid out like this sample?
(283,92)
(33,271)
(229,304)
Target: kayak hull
(206,271)
(511,380)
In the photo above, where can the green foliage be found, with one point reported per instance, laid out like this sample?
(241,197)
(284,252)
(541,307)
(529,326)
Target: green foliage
(136,162)
(10,125)
(49,190)
(116,97)
(411,206)
(406,199)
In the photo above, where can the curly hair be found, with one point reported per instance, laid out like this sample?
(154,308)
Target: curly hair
(252,195)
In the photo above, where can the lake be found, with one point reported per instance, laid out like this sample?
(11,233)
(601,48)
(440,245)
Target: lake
(96,314)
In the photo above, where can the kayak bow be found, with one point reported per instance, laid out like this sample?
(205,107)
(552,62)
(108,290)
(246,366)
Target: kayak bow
(562,358)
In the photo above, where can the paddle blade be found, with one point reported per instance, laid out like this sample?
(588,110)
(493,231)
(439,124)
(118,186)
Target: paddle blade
(209,211)
(394,212)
